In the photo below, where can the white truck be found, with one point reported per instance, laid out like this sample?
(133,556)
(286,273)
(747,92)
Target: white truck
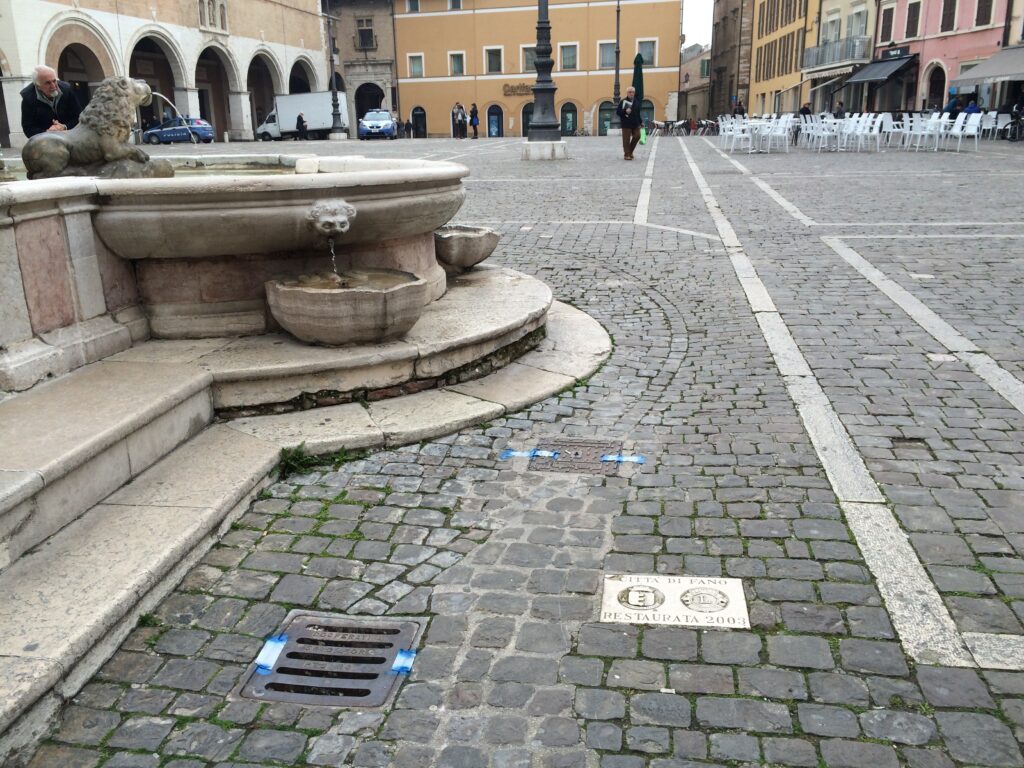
(316,108)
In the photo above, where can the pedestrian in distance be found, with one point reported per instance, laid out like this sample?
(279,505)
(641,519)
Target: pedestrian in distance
(739,110)
(300,128)
(474,118)
(459,120)
(48,104)
(630,119)
(408,129)
(840,113)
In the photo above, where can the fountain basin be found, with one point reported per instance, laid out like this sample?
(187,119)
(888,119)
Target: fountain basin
(368,307)
(460,247)
(204,246)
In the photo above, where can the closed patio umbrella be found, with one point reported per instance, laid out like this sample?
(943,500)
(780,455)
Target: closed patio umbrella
(638,78)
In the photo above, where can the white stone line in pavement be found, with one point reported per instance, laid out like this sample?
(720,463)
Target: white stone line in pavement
(939,329)
(919,224)
(767,188)
(918,614)
(665,227)
(1001,380)
(997,377)
(787,206)
(996,651)
(843,464)
(922,620)
(643,202)
(972,235)
(682,231)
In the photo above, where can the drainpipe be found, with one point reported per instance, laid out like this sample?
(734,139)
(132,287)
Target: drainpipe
(1007,24)
(739,56)
(394,65)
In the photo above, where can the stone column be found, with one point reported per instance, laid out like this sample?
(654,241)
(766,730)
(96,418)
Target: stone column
(12,102)
(240,116)
(187,101)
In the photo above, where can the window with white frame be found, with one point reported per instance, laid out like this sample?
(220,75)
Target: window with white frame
(857,23)
(831,29)
(948,21)
(412,6)
(983,13)
(492,61)
(415,65)
(568,56)
(649,50)
(529,58)
(456,64)
(885,25)
(606,55)
(454,5)
(913,19)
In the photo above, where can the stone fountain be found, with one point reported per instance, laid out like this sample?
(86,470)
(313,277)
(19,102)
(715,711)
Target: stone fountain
(340,251)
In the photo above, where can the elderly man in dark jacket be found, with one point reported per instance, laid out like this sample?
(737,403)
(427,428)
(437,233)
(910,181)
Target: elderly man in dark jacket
(48,104)
(631,120)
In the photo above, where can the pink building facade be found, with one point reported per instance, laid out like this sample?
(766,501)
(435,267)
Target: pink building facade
(946,38)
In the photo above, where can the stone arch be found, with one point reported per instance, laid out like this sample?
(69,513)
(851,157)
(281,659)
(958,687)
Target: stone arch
(274,65)
(73,28)
(227,60)
(183,77)
(934,68)
(307,68)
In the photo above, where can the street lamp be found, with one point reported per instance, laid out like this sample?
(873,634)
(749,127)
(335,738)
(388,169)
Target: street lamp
(544,124)
(615,123)
(336,127)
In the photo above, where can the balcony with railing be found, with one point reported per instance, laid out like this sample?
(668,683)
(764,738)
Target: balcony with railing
(849,50)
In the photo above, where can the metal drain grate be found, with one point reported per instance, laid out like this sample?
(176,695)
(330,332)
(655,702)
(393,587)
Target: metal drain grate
(579,456)
(334,661)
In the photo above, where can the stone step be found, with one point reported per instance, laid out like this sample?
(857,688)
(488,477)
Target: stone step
(68,444)
(67,605)
(574,348)
(484,311)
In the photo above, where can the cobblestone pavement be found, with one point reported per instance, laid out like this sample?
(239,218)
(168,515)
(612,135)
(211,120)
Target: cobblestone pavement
(514,670)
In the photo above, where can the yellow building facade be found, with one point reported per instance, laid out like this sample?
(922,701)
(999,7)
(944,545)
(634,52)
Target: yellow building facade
(481,51)
(780,32)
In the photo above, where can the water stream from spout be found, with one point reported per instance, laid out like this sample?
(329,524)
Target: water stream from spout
(334,263)
(170,103)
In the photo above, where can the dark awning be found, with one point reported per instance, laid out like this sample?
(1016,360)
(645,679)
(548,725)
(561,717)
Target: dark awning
(880,71)
(1007,64)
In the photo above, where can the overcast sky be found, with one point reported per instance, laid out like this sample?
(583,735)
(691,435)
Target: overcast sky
(697,21)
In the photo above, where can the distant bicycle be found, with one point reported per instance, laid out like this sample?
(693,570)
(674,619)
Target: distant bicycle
(1014,130)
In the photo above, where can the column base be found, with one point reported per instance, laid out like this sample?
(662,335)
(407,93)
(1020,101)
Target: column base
(545,150)
(337,136)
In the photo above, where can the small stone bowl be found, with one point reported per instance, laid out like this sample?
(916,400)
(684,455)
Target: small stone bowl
(459,247)
(380,305)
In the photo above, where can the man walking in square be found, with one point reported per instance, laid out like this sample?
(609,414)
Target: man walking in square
(630,119)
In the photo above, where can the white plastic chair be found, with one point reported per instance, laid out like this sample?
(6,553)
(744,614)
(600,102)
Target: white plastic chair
(970,128)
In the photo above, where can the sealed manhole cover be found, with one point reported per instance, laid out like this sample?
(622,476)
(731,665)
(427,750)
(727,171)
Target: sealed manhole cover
(330,660)
(591,457)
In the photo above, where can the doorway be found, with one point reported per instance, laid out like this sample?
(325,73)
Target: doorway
(527,118)
(605,113)
(568,119)
(495,121)
(936,88)
(419,123)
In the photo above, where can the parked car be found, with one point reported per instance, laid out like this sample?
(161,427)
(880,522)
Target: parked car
(378,122)
(178,129)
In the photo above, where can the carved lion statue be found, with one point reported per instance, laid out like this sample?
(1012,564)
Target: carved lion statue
(98,145)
